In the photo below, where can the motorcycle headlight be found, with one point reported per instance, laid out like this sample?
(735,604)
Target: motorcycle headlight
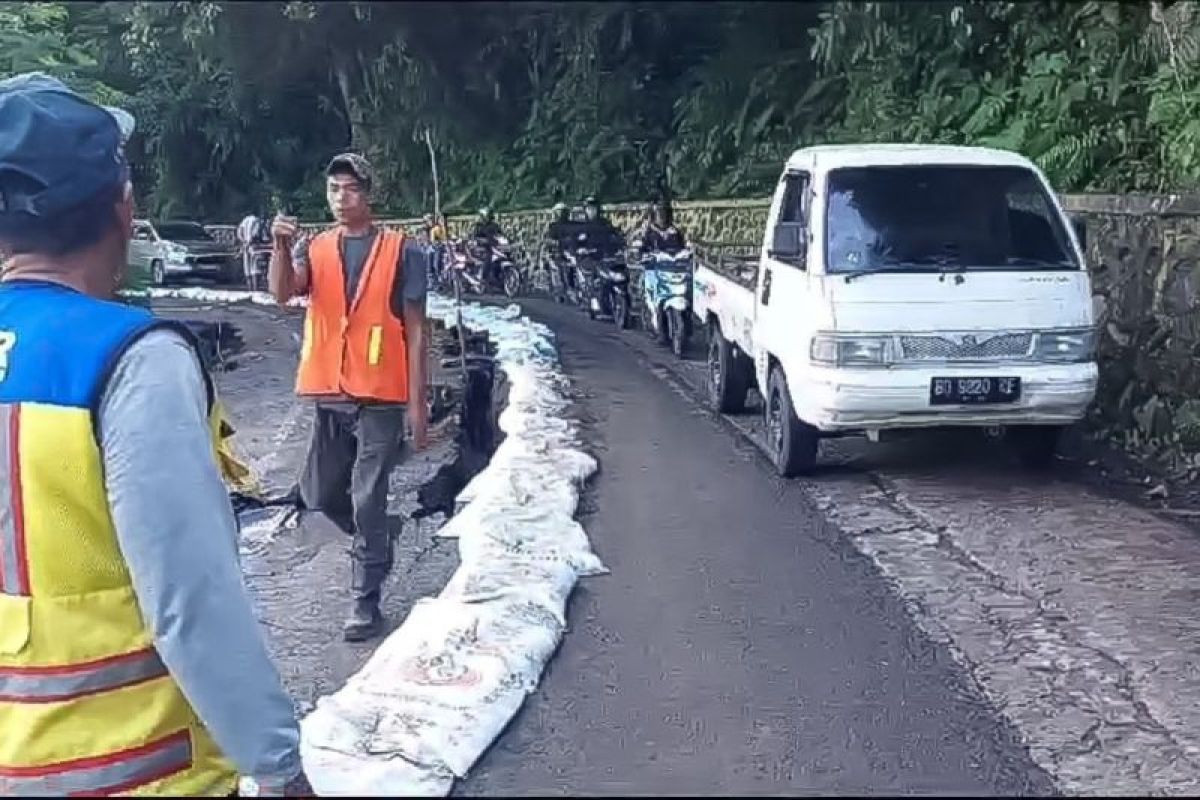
(1072,345)
(837,350)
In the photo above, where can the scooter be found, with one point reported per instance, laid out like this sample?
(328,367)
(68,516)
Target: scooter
(667,293)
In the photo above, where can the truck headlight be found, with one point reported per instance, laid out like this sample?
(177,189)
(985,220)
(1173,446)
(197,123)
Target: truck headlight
(837,350)
(1072,345)
(176,255)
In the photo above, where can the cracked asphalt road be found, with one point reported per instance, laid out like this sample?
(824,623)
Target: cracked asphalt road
(740,645)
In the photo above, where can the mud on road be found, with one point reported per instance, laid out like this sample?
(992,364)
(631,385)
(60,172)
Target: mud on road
(1073,611)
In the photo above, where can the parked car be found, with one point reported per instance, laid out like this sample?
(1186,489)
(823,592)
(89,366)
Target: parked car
(905,286)
(179,249)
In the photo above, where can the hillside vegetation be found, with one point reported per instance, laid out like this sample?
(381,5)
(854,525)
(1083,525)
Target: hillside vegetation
(240,104)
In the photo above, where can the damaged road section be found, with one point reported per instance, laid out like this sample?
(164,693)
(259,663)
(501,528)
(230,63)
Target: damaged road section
(444,685)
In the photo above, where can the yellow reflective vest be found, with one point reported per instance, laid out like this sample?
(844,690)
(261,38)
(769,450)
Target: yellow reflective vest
(86,704)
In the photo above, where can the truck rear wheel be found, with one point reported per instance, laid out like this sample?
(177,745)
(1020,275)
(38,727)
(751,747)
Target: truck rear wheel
(791,442)
(728,374)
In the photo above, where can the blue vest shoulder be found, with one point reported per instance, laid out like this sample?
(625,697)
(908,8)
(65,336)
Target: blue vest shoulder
(58,345)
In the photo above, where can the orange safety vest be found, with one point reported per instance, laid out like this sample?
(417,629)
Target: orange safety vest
(354,347)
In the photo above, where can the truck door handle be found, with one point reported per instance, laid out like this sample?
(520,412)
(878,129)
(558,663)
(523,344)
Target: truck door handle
(766,290)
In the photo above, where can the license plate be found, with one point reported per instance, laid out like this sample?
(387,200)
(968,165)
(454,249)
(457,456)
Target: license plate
(971,391)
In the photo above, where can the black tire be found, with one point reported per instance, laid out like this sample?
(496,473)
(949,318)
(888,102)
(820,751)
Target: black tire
(512,282)
(792,443)
(620,309)
(728,374)
(677,331)
(662,334)
(158,273)
(1034,445)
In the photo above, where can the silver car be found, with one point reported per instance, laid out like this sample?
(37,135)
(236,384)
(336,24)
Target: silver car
(166,250)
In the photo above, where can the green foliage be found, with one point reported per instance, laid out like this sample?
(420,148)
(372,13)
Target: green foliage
(241,104)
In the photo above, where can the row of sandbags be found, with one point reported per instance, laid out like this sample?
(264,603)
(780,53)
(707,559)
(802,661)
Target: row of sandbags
(442,687)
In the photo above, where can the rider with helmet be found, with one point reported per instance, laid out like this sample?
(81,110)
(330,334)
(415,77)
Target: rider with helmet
(597,229)
(558,238)
(660,234)
(486,226)
(485,234)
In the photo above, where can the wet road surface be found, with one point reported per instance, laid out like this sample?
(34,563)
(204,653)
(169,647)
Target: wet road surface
(740,645)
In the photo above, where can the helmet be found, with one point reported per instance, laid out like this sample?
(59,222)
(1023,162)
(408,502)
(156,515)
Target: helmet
(660,210)
(559,208)
(591,207)
(485,213)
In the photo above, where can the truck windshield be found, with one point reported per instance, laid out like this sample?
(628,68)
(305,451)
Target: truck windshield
(183,231)
(942,217)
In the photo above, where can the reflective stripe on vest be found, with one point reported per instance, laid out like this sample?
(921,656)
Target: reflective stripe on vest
(108,774)
(56,684)
(14,566)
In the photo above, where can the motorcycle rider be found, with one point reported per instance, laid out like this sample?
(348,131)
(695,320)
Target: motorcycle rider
(558,238)
(559,228)
(486,226)
(597,229)
(660,234)
(485,234)
(433,230)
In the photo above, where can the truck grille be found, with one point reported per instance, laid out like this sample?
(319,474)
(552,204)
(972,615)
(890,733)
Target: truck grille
(966,347)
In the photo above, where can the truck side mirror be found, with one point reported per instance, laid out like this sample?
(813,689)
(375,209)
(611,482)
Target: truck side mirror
(789,243)
(1080,226)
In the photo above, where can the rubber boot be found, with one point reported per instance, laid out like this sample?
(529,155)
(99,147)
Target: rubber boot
(365,620)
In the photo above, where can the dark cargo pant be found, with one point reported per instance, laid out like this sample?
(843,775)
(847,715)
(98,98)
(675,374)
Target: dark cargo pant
(353,452)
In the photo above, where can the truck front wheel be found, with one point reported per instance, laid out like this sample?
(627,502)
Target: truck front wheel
(728,375)
(1034,445)
(791,442)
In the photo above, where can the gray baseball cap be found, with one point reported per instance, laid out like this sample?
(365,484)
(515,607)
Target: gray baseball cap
(356,164)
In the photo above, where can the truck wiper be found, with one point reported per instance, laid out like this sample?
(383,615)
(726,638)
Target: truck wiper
(1040,262)
(894,268)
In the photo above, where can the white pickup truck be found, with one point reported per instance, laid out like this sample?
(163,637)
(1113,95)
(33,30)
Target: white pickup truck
(904,286)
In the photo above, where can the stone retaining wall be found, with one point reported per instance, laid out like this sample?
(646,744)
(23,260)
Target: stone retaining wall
(1144,253)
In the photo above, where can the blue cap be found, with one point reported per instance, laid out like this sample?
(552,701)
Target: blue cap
(57,149)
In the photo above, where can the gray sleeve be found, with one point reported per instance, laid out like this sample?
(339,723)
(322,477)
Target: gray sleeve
(177,532)
(414,266)
(415,258)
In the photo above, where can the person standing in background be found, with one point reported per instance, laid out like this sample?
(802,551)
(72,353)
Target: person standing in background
(246,233)
(363,362)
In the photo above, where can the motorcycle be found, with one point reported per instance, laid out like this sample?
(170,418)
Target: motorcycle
(667,293)
(490,267)
(579,267)
(603,280)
